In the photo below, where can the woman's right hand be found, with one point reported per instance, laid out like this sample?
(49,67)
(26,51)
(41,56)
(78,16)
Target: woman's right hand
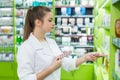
(56,63)
(93,56)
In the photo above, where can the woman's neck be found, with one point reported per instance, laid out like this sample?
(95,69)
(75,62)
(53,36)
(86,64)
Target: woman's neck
(39,36)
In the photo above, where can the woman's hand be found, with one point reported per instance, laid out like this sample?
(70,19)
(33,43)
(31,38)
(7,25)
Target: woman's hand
(93,56)
(56,63)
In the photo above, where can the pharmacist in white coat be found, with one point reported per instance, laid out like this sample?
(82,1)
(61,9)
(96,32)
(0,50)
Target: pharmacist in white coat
(39,57)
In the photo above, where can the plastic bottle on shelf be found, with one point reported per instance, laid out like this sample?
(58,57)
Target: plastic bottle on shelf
(117,60)
(49,3)
(78,2)
(64,2)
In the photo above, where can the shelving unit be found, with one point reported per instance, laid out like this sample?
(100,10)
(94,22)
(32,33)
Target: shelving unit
(7,47)
(102,32)
(114,41)
(74,23)
(74,33)
(12,15)
(110,7)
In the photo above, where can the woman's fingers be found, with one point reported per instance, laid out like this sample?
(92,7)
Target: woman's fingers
(99,54)
(102,55)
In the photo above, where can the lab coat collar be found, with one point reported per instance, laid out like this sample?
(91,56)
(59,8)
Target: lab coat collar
(36,43)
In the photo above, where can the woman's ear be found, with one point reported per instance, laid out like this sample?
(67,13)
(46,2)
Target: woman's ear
(38,23)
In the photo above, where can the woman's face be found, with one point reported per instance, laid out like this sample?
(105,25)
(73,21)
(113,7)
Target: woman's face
(48,23)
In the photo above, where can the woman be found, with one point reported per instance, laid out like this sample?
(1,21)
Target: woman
(39,57)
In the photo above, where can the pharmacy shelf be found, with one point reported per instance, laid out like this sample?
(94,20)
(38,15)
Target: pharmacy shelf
(104,74)
(78,46)
(6,25)
(87,6)
(6,16)
(84,46)
(73,35)
(2,34)
(83,16)
(80,26)
(27,7)
(6,6)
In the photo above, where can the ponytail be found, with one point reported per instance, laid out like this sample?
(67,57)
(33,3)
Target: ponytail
(33,14)
(28,28)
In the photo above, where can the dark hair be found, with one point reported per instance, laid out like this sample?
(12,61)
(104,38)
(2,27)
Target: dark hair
(32,14)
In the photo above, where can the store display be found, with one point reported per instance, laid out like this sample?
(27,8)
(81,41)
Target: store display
(74,30)
(66,40)
(72,2)
(58,21)
(83,41)
(80,52)
(58,3)
(6,12)
(6,21)
(69,12)
(72,26)
(106,20)
(80,11)
(84,2)
(6,31)
(77,2)
(19,3)
(87,21)
(72,22)
(79,22)
(64,21)
(90,40)
(66,30)
(7,3)
(64,11)
(91,2)
(117,61)
(6,48)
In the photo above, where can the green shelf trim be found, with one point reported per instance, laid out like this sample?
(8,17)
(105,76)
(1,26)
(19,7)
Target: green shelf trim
(6,6)
(98,73)
(104,74)
(101,73)
(115,1)
(14,25)
(116,42)
(106,4)
(100,2)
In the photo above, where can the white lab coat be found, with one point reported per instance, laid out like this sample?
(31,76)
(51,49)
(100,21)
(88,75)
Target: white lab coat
(32,57)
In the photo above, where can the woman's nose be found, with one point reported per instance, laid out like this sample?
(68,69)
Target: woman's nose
(53,24)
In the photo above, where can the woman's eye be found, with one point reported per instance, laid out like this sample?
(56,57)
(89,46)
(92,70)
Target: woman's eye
(50,20)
